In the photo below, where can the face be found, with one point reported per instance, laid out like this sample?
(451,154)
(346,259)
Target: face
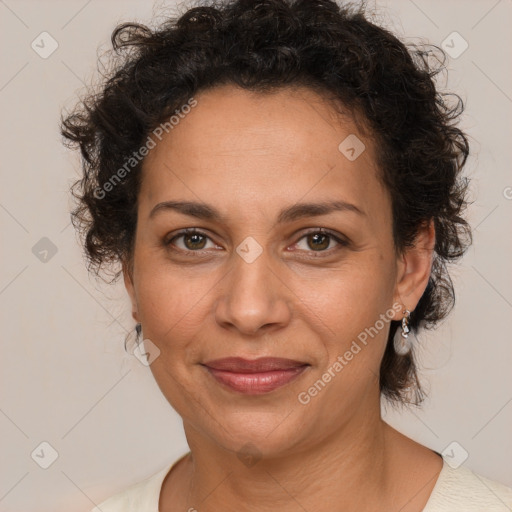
(263,272)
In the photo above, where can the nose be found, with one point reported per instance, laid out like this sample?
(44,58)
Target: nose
(252,298)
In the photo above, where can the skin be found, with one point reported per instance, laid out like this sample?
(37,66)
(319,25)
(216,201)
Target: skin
(249,155)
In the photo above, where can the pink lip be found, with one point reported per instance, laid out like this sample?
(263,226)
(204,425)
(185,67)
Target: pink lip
(255,377)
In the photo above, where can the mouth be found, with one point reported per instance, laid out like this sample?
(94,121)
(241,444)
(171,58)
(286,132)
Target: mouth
(257,376)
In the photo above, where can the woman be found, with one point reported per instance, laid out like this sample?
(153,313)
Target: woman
(280,184)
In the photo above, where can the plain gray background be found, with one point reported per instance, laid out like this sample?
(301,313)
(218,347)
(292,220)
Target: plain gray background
(66,379)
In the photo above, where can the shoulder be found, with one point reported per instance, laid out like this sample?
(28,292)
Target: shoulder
(463,490)
(140,497)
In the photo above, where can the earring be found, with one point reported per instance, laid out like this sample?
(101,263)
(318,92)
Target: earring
(133,339)
(401,341)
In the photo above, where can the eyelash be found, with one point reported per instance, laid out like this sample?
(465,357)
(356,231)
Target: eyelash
(314,254)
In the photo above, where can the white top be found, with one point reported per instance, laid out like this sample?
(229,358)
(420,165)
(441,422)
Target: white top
(456,490)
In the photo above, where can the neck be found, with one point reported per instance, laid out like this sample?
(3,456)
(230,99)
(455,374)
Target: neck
(349,470)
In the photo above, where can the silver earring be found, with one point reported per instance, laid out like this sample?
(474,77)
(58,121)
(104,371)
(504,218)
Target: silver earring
(133,339)
(401,340)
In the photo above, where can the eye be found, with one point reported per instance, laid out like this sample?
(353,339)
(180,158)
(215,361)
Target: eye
(316,241)
(320,240)
(190,240)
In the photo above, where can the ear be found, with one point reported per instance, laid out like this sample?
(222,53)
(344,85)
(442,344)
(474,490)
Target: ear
(414,267)
(130,288)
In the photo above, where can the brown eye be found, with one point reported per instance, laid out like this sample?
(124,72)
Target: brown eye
(194,241)
(318,241)
(190,241)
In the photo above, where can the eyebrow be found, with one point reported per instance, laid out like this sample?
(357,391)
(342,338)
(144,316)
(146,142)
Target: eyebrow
(290,214)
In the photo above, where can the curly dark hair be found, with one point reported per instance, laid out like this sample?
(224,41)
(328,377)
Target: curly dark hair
(263,45)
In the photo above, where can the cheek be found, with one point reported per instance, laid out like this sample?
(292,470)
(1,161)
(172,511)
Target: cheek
(175,303)
(353,306)
(350,295)
(171,306)
(172,302)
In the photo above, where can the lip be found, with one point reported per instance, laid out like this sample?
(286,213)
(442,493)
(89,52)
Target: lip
(262,364)
(257,376)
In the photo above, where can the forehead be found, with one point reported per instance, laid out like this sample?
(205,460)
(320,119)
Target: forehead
(263,148)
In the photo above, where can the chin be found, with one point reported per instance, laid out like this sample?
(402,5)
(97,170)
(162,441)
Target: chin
(266,434)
